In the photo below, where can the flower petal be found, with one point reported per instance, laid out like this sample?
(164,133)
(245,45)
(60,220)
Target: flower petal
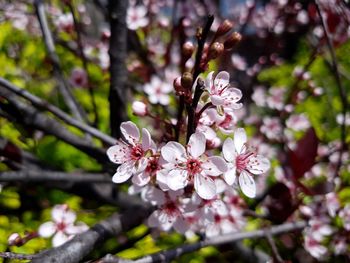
(247,184)
(196,144)
(124,172)
(240,138)
(47,229)
(173,152)
(258,165)
(222,79)
(141,179)
(204,186)
(146,140)
(130,132)
(177,179)
(153,195)
(209,81)
(180,225)
(217,100)
(59,239)
(230,175)
(118,153)
(228,150)
(214,166)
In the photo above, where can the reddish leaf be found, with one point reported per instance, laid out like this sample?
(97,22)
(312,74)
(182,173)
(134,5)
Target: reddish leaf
(303,157)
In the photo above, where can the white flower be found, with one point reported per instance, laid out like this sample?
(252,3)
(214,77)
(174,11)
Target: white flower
(191,165)
(136,17)
(62,225)
(130,152)
(220,92)
(244,161)
(158,91)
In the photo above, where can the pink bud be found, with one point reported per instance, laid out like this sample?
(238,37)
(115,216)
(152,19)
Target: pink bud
(14,239)
(139,108)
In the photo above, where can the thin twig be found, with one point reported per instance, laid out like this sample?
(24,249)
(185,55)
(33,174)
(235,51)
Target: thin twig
(41,104)
(274,249)
(11,255)
(50,46)
(341,90)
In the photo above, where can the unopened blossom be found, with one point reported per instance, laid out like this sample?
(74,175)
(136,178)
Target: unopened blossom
(158,91)
(62,226)
(130,152)
(191,165)
(139,108)
(78,78)
(243,161)
(136,17)
(220,91)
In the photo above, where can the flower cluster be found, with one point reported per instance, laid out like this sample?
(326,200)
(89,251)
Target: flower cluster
(190,184)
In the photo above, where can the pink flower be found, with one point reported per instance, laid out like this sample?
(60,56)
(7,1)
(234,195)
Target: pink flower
(191,165)
(130,152)
(78,78)
(158,91)
(220,92)
(136,17)
(345,216)
(314,247)
(62,225)
(298,122)
(272,128)
(139,108)
(275,100)
(243,161)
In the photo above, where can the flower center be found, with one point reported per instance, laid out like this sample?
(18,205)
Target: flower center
(193,166)
(61,226)
(171,208)
(152,166)
(136,152)
(242,160)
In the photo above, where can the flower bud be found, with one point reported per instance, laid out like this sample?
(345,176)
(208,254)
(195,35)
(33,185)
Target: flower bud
(187,80)
(216,50)
(187,50)
(14,240)
(232,40)
(224,27)
(139,108)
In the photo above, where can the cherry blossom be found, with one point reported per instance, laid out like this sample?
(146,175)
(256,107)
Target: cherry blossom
(139,108)
(244,161)
(130,152)
(78,78)
(191,165)
(158,91)
(62,225)
(220,92)
(272,128)
(136,17)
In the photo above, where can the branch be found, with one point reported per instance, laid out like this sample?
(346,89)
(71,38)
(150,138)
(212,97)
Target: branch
(31,117)
(50,46)
(41,104)
(118,71)
(168,255)
(53,176)
(341,90)
(82,244)
(11,255)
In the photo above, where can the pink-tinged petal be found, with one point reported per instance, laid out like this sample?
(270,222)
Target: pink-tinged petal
(154,196)
(247,184)
(59,239)
(80,227)
(196,144)
(47,229)
(141,179)
(204,186)
(240,138)
(232,95)
(222,79)
(166,220)
(124,172)
(230,175)
(180,225)
(164,99)
(162,179)
(214,166)
(118,153)
(130,132)
(212,230)
(177,179)
(69,217)
(146,140)
(258,165)
(153,219)
(209,81)
(61,213)
(173,152)
(217,100)
(175,194)
(228,150)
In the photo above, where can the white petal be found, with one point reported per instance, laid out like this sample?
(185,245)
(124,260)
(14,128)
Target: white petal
(162,179)
(228,150)
(146,140)
(196,144)
(204,186)
(180,225)
(173,152)
(80,227)
(240,138)
(222,79)
(47,229)
(141,179)
(59,239)
(209,81)
(247,184)
(230,175)
(177,179)
(153,195)
(130,132)
(258,165)
(217,100)
(214,166)
(124,172)
(118,153)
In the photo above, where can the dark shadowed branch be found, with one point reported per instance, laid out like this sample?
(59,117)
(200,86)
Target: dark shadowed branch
(118,71)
